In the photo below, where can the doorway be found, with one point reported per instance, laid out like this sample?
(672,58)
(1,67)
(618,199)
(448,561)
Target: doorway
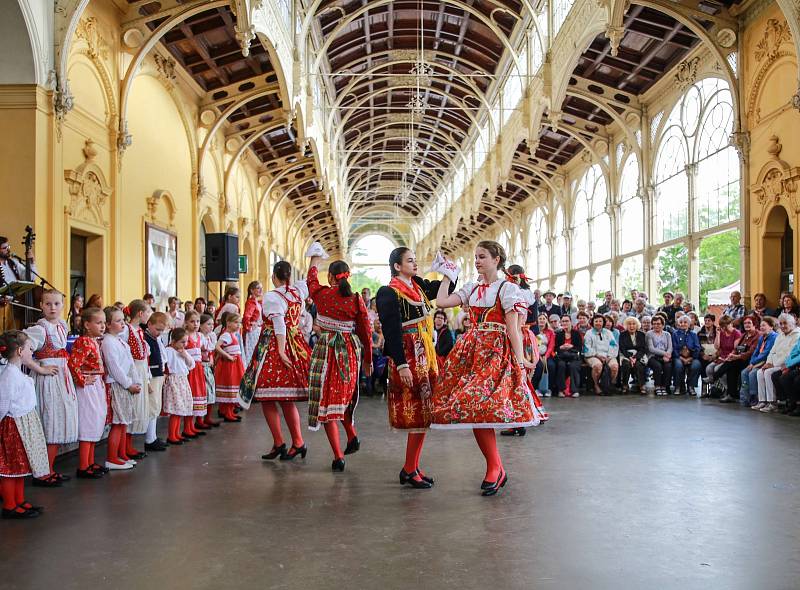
(777,262)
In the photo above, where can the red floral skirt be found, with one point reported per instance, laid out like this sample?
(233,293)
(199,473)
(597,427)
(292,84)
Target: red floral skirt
(13,457)
(410,407)
(197,383)
(276,381)
(481,385)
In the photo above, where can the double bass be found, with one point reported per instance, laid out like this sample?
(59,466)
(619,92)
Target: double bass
(19,301)
(33,297)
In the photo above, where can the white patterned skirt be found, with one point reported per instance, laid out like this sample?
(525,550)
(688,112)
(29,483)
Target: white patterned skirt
(121,404)
(92,411)
(177,396)
(140,412)
(155,397)
(57,403)
(33,439)
(250,342)
(211,386)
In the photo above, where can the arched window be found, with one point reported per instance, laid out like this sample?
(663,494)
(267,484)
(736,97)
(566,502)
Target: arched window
(591,226)
(559,244)
(694,150)
(631,227)
(580,228)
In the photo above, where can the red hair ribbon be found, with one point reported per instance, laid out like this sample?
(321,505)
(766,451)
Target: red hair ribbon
(127,311)
(3,348)
(342,275)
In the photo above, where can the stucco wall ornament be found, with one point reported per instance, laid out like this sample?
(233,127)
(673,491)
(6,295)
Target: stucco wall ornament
(776,183)
(96,45)
(152,207)
(686,73)
(88,189)
(775,34)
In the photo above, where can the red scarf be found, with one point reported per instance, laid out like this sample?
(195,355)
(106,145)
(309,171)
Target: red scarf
(412,291)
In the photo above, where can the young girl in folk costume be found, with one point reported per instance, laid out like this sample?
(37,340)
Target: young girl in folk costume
(229,369)
(23,450)
(278,371)
(252,319)
(404,308)
(335,360)
(139,313)
(230,304)
(55,391)
(483,384)
(87,369)
(197,377)
(177,391)
(123,379)
(530,345)
(209,343)
(156,325)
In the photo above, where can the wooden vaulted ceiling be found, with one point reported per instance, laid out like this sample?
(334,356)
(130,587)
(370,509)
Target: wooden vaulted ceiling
(371,60)
(205,46)
(653,43)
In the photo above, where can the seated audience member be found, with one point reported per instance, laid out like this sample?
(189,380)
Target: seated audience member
(724,347)
(787,382)
(632,354)
(200,305)
(566,305)
(605,307)
(591,309)
(627,309)
(616,320)
(731,367)
(546,340)
(639,309)
(659,350)
(611,325)
(582,324)
(379,361)
(615,306)
(600,349)
(555,322)
(735,310)
(760,306)
(668,308)
(680,299)
(695,322)
(687,307)
(788,305)
(707,336)
(748,390)
(788,334)
(568,358)
(686,367)
(581,308)
(444,335)
(647,324)
(549,307)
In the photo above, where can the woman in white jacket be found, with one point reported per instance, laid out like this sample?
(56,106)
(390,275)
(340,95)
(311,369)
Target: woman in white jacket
(601,349)
(788,335)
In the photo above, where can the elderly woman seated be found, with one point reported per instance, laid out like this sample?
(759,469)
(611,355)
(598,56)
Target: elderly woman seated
(788,334)
(600,349)
(633,354)
(686,366)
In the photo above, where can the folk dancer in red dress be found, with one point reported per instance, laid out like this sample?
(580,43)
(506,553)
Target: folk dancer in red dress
(252,320)
(55,391)
(483,385)
(194,425)
(230,304)
(123,384)
(86,365)
(530,346)
(23,450)
(229,370)
(139,313)
(278,371)
(404,309)
(333,382)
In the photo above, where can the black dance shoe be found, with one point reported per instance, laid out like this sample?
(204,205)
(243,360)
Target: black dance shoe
(337,465)
(424,477)
(14,515)
(353,446)
(189,436)
(275,453)
(293,452)
(408,479)
(88,474)
(98,468)
(495,486)
(47,482)
(513,432)
(176,442)
(157,446)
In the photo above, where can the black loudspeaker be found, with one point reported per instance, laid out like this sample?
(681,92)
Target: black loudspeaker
(222,257)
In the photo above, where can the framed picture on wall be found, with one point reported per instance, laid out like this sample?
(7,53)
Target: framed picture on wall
(161,260)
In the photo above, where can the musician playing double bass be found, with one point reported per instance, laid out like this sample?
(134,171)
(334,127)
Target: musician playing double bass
(11,270)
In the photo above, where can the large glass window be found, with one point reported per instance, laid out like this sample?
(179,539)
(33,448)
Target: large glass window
(673,269)
(631,227)
(591,226)
(559,244)
(719,263)
(631,274)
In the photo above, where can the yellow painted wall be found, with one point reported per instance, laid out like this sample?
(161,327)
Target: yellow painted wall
(770,77)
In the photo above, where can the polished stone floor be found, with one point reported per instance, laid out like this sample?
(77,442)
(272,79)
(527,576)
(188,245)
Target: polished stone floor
(619,493)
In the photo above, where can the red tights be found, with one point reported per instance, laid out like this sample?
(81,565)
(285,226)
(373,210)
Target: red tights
(116,451)
(188,425)
(13,490)
(487,442)
(129,450)
(292,417)
(413,451)
(332,430)
(85,454)
(174,429)
(349,428)
(226,411)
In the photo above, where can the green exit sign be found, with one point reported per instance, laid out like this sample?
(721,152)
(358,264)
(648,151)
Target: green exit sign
(242,264)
